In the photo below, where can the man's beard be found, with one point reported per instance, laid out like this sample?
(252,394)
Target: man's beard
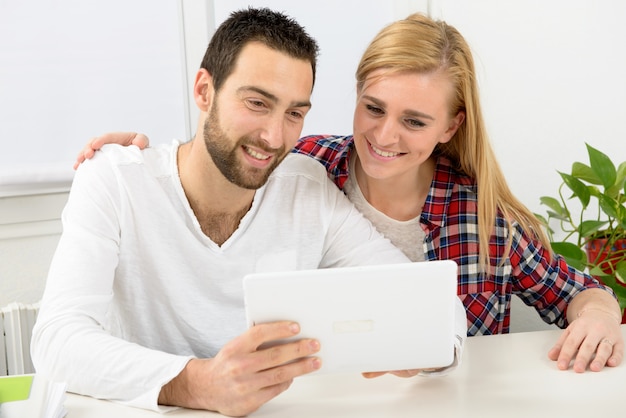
(225,158)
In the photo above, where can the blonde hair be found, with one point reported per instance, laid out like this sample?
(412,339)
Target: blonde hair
(421,44)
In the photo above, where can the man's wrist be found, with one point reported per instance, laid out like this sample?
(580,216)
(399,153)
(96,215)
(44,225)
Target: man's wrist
(177,392)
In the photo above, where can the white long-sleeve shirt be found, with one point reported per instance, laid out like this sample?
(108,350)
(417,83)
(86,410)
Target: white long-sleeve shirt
(136,289)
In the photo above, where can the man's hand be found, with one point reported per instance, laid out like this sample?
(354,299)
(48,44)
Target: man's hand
(122,138)
(243,377)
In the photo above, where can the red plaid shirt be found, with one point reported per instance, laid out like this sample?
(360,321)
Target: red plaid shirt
(450,221)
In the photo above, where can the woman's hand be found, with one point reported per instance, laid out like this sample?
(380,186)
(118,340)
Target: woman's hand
(399,373)
(594,338)
(122,138)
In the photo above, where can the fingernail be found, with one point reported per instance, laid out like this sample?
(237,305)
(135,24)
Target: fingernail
(315,345)
(295,328)
(316,363)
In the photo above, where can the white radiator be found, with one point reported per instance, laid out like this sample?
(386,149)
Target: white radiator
(16,326)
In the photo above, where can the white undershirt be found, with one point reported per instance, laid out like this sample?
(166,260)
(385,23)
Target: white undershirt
(406,235)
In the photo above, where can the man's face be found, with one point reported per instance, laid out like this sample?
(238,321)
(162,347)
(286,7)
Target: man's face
(257,116)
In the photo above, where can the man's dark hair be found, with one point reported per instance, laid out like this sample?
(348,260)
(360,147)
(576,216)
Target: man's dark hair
(273,29)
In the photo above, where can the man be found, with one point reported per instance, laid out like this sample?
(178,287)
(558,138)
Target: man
(143,302)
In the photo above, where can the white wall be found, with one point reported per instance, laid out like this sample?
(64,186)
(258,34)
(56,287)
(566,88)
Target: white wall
(29,231)
(552,78)
(73,69)
(70,70)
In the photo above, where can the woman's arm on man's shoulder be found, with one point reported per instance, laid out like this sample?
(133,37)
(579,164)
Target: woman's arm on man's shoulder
(122,138)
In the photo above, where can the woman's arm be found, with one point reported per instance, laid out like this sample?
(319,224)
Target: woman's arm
(575,301)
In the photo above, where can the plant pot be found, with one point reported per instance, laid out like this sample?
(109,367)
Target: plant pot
(604,259)
(593,252)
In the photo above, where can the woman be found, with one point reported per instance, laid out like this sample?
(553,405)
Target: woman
(421,168)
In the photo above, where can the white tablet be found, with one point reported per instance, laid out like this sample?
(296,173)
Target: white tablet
(368,318)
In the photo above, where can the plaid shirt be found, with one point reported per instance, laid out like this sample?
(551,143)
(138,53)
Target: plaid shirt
(450,221)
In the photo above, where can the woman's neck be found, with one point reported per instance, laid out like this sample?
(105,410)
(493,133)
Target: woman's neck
(401,197)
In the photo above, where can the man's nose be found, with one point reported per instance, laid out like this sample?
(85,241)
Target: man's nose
(274,131)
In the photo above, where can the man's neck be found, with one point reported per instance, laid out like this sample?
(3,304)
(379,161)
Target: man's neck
(218,204)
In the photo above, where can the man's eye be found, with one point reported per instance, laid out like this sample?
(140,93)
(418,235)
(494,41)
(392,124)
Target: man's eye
(296,115)
(256,103)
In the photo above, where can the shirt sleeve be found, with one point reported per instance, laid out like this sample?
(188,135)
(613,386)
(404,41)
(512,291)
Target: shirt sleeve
(70,342)
(546,282)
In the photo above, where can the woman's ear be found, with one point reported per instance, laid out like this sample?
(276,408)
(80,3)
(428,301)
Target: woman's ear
(455,122)
(203,90)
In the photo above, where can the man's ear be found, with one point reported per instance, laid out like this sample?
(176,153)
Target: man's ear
(203,90)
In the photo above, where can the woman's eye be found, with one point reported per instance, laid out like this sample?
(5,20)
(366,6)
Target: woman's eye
(374,109)
(415,123)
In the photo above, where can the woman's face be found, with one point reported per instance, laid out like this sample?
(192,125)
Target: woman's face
(399,119)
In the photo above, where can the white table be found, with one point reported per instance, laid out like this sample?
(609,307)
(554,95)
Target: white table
(501,376)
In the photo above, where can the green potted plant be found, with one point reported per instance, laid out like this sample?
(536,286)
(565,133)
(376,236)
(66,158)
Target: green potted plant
(592,220)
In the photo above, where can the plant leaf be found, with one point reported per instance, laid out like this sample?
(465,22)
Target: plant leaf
(585,173)
(621,173)
(553,204)
(578,187)
(620,291)
(618,188)
(596,271)
(557,216)
(609,206)
(602,166)
(620,271)
(587,228)
(573,254)
(594,191)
